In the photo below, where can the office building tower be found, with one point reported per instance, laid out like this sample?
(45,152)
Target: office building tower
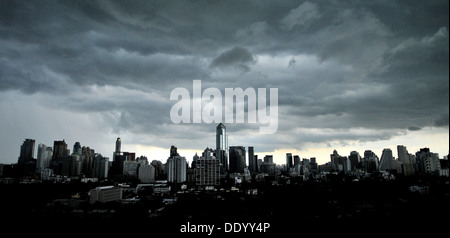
(100,167)
(313,165)
(296,160)
(427,162)
(340,163)
(237,159)
(60,151)
(146,173)
(26,151)
(87,155)
(43,157)
(355,159)
(176,169)
(222,147)
(77,150)
(289,162)
(252,163)
(403,155)
(207,172)
(268,159)
(118,145)
(268,166)
(387,161)
(194,161)
(370,161)
(173,151)
(130,169)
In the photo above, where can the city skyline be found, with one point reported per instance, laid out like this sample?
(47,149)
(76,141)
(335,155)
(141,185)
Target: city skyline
(350,75)
(400,153)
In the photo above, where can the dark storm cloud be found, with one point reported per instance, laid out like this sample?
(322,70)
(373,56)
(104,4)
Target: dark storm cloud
(237,57)
(340,65)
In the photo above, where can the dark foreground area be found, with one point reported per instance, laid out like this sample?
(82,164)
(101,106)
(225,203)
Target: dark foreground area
(388,208)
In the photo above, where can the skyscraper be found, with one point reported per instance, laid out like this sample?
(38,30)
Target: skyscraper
(386,161)
(403,155)
(252,163)
(176,169)
(26,151)
(60,151)
(43,157)
(207,172)
(355,159)
(289,161)
(237,159)
(118,145)
(222,147)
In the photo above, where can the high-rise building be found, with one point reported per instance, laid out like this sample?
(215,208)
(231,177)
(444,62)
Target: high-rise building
(222,148)
(403,155)
(88,155)
(118,145)
(370,161)
(77,150)
(207,172)
(60,151)
(130,169)
(340,163)
(355,159)
(176,169)
(237,159)
(427,162)
(289,162)
(268,166)
(146,173)
(386,161)
(26,151)
(252,163)
(43,157)
(101,166)
(194,161)
(313,165)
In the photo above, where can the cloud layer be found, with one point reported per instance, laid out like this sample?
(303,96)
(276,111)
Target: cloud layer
(346,70)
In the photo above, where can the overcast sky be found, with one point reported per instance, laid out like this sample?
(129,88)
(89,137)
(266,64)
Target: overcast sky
(351,75)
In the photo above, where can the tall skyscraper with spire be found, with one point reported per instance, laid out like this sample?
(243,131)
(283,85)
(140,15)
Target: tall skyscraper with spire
(222,148)
(118,145)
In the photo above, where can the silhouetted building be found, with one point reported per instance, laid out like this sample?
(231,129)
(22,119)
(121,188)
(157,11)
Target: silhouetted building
(44,157)
(371,161)
(268,166)
(355,159)
(118,145)
(222,148)
(237,159)
(146,173)
(60,152)
(101,166)
(26,151)
(427,162)
(252,160)
(386,161)
(207,172)
(289,162)
(341,163)
(194,161)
